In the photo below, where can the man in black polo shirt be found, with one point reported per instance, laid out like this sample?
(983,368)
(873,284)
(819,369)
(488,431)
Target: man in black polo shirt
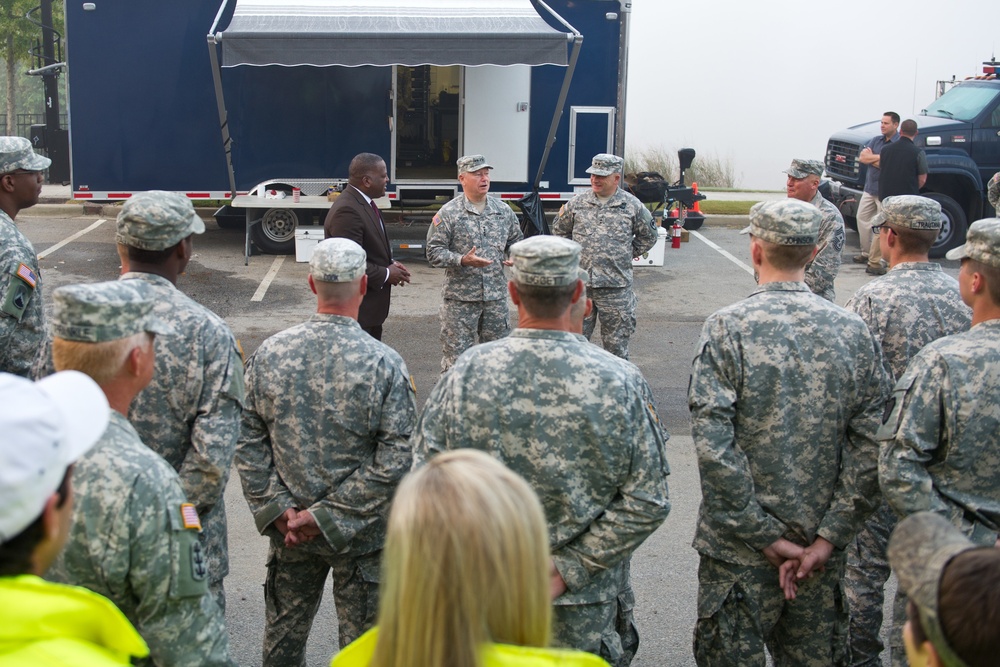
(903,165)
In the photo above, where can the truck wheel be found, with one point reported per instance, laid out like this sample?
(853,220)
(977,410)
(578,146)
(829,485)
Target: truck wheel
(953,227)
(275,235)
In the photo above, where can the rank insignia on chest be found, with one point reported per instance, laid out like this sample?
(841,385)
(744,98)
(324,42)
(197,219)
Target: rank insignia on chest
(189,516)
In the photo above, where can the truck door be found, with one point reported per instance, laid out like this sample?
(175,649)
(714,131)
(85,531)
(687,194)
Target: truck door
(591,131)
(986,142)
(495,119)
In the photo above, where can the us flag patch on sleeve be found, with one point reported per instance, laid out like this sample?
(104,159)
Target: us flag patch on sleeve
(25,273)
(189,515)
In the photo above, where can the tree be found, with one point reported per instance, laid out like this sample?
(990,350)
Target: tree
(19,37)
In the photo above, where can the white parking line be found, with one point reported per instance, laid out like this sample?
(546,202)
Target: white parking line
(271,273)
(732,258)
(48,251)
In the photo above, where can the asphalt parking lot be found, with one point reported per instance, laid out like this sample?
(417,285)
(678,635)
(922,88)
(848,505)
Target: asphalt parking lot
(270,294)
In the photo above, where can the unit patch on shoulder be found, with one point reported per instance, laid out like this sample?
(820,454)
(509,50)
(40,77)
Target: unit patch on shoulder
(436,220)
(25,273)
(199,565)
(189,516)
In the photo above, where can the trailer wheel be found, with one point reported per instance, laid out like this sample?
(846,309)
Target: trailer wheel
(275,235)
(953,227)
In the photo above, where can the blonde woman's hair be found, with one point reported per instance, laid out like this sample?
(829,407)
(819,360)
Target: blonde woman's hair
(466,562)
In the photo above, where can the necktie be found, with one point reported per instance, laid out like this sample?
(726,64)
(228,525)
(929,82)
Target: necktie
(378,216)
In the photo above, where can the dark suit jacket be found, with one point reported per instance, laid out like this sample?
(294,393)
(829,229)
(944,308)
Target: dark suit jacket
(351,217)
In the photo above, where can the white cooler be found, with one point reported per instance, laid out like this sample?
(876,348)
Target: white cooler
(306,239)
(653,256)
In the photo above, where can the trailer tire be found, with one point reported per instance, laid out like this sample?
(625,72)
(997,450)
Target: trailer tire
(953,227)
(275,235)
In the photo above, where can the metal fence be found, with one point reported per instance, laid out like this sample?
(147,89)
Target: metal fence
(23,123)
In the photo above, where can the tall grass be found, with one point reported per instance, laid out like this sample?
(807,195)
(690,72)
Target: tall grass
(708,171)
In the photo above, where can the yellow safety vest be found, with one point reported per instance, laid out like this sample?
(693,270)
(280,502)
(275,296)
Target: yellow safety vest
(359,654)
(52,625)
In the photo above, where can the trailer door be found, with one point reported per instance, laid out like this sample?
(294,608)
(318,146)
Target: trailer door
(495,121)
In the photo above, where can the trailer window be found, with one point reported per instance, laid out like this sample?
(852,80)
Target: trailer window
(962,103)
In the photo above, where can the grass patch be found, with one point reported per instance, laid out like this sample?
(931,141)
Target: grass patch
(707,170)
(716,207)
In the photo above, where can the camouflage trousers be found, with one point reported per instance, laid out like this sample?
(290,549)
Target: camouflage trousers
(742,610)
(293,591)
(606,629)
(865,575)
(215,541)
(465,323)
(615,308)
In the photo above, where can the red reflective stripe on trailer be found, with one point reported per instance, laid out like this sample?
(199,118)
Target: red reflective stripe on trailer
(83,195)
(198,195)
(119,195)
(548,195)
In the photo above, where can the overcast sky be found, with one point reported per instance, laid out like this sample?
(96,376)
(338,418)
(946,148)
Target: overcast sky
(763,82)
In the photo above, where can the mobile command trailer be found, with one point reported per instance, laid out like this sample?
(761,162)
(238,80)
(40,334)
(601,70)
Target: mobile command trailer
(304,85)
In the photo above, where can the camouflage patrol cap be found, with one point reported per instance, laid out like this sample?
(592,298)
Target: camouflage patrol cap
(993,191)
(982,243)
(920,549)
(337,260)
(803,168)
(785,222)
(101,312)
(16,153)
(468,163)
(157,220)
(545,261)
(910,211)
(605,164)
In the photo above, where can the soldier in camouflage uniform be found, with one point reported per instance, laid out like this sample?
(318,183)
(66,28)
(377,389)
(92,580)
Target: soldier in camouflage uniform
(940,437)
(612,226)
(325,441)
(786,394)
(22,318)
(578,424)
(470,237)
(912,305)
(993,192)
(803,184)
(134,537)
(190,412)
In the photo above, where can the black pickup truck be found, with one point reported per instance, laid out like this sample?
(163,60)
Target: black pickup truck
(960,134)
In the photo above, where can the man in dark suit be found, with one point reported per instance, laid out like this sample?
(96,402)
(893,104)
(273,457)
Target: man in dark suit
(354,215)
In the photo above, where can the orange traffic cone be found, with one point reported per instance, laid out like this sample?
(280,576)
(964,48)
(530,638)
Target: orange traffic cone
(697,203)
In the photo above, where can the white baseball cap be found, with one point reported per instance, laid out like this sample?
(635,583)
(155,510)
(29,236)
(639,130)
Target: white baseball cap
(44,427)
